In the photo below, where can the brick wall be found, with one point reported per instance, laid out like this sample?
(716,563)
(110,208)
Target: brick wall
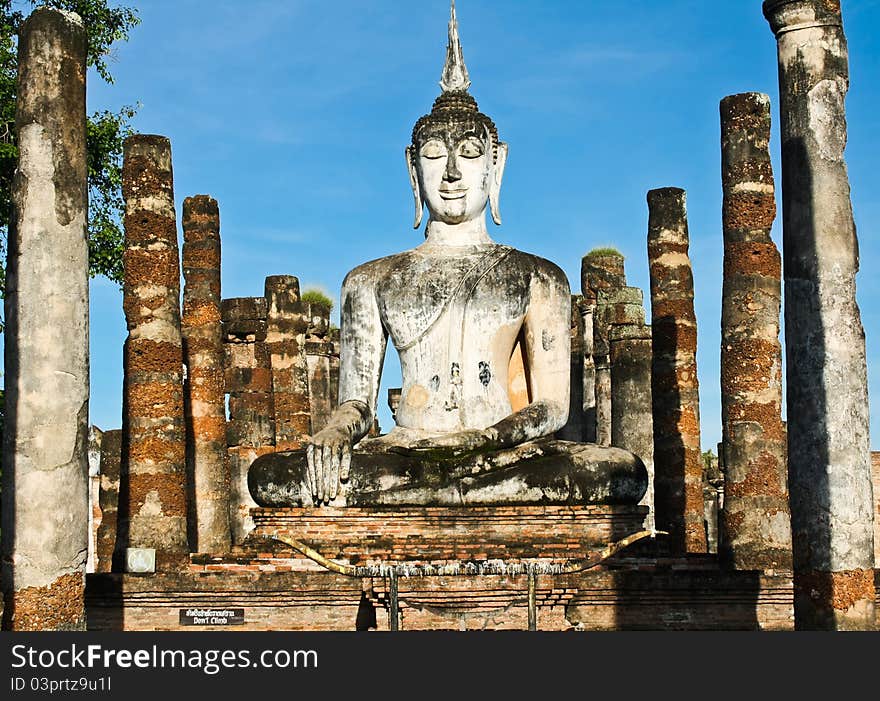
(670,597)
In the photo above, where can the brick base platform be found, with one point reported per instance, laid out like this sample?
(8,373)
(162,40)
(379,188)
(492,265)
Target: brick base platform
(361,536)
(279,589)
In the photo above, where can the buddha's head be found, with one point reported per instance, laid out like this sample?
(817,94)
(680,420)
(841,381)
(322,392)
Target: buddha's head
(455,161)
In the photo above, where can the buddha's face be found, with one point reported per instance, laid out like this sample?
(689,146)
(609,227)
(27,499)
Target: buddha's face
(455,172)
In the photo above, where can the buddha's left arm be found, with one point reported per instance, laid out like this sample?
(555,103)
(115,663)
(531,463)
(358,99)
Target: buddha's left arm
(547,328)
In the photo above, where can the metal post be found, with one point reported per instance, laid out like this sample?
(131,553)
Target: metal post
(533,599)
(395,603)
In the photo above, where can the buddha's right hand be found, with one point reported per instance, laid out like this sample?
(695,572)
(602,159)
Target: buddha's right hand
(328,454)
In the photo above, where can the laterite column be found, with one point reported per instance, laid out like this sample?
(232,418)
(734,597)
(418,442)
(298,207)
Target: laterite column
(678,467)
(153,481)
(250,431)
(285,339)
(755,519)
(205,384)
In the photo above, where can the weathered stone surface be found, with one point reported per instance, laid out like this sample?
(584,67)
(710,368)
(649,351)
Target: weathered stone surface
(601,271)
(152,503)
(285,341)
(244,319)
(755,518)
(205,387)
(108,500)
(678,476)
(828,439)
(45,506)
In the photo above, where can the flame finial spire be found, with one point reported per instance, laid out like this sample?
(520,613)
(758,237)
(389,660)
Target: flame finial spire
(455,76)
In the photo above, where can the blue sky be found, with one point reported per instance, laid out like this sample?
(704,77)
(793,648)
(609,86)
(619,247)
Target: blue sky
(295,115)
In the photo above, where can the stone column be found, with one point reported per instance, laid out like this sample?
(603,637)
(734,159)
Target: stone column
(678,476)
(153,484)
(319,349)
(756,520)
(603,391)
(108,501)
(631,417)
(575,427)
(285,339)
(828,440)
(602,271)
(250,431)
(588,390)
(96,437)
(205,385)
(45,448)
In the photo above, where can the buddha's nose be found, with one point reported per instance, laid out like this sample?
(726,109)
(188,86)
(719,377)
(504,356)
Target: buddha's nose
(452,172)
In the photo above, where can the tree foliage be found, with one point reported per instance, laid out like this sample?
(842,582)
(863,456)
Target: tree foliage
(107,130)
(317,298)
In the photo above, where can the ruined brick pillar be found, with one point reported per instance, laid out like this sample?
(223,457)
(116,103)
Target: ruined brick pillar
(828,441)
(678,468)
(45,460)
(285,340)
(755,519)
(108,501)
(334,365)
(319,351)
(602,271)
(618,321)
(205,384)
(152,507)
(250,431)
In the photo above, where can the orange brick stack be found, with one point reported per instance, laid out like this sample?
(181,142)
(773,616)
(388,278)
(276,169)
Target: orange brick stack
(206,384)
(153,504)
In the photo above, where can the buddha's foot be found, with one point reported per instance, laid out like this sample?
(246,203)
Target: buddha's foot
(539,472)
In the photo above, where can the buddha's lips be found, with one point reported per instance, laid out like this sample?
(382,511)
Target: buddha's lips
(452,194)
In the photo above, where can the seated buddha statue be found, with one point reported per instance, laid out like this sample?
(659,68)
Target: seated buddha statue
(483,335)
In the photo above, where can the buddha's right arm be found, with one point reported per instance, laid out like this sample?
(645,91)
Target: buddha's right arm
(363,341)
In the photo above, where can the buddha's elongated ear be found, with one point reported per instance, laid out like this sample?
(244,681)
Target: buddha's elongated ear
(414,181)
(495,188)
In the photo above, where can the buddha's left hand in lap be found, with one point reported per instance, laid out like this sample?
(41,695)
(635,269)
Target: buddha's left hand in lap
(456,444)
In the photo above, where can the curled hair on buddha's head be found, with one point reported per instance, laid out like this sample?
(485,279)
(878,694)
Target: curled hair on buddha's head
(457,109)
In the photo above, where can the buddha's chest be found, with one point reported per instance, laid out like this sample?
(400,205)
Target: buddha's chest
(443,300)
